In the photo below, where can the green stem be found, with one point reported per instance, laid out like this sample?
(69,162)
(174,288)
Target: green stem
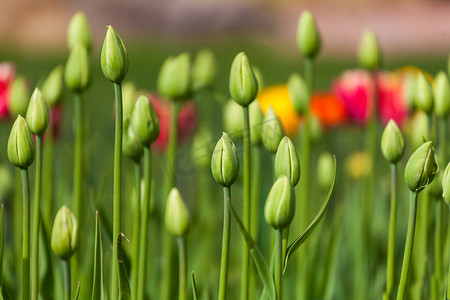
(408,246)
(66,275)
(26,236)
(142,279)
(246,205)
(392,226)
(182,261)
(78,162)
(448,281)
(136,232)
(225,244)
(279,263)
(117,186)
(47,176)
(438,238)
(36,220)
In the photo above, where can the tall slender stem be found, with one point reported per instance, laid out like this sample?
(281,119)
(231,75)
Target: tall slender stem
(438,238)
(142,278)
(26,236)
(448,279)
(246,204)
(408,246)
(225,244)
(279,263)
(392,226)
(66,275)
(182,261)
(47,177)
(117,186)
(136,232)
(36,221)
(78,162)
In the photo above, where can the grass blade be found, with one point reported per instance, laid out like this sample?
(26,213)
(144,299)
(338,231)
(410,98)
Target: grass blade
(194,287)
(98,262)
(77,292)
(124,284)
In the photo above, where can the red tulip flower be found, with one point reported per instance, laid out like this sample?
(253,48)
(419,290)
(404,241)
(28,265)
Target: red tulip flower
(7,74)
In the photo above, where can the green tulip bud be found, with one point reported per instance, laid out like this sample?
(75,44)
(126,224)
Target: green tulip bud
(441,91)
(225,161)
(114,57)
(232,119)
(144,121)
(204,70)
(202,148)
(20,144)
(52,89)
(79,31)
(308,38)
(299,94)
(78,71)
(64,237)
(392,143)
(315,129)
(174,77)
(287,162)
(243,83)
(271,131)
(256,119)
(424,94)
(37,113)
(131,146)
(177,218)
(446,185)
(325,166)
(19,96)
(128,99)
(421,168)
(280,204)
(409,90)
(369,55)
(419,129)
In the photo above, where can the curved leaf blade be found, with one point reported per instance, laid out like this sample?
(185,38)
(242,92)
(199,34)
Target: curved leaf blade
(194,287)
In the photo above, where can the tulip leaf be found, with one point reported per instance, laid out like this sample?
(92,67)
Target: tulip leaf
(124,284)
(304,236)
(77,292)
(98,262)
(261,265)
(194,287)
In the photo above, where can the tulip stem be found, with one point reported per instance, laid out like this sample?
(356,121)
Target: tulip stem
(225,244)
(182,261)
(36,220)
(78,162)
(392,226)
(246,204)
(66,274)
(438,238)
(279,263)
(47,176)
(142,279)
(26,236)
(448,280)
(136,232)
(117,186)
(408,246)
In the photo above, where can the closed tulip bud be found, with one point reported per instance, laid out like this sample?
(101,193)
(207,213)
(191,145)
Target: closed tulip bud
(19,96)
(299,94)
(204,70)
(243,82)
(419,129)
(421,168)
(280,204)
(177,216)
(392,143)
(423,96)
(52,89)
(128,99)
(271,131)
(409,90)
(144,121)
(174,77)
(325,166)
(308,38)
(114,57)
(369,54)
(232,119)
(64,237)
(20,144)
(256,119)
(287,162)
(131,146)
(79,31)
(315,129)
(446,185)
(225,161)
(202,148)
(441,91)
(37,113)
(77,73)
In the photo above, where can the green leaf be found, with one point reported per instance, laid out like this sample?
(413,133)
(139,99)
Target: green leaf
(98,262)
(124,284)
(77,292)
(261,265)
(194,287)
(304,236)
